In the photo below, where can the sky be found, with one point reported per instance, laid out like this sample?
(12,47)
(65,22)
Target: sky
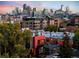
(8,6)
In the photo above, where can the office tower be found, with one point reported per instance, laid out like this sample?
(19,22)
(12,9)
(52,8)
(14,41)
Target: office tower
(13,12)
(62,7)
(33,12)
(34,9)
(28,10)
(67,12)
(51,12)
(67,9)
(17,10)
(24,7)
(43,12)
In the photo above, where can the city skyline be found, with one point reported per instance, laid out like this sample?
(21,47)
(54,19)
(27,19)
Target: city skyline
(8,6)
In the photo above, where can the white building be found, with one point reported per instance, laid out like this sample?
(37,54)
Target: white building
(0,17)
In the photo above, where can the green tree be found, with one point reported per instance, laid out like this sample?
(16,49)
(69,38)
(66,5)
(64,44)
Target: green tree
(14,42)
(66,50)
(3,31)
(51,28)
(1,42)
(27,35)
(76,38)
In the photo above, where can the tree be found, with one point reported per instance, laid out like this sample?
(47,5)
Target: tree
(76,39)
(51,28)
(27,35)
(66,50)
(14,42)
(3,31)
(19,49)
(1,42)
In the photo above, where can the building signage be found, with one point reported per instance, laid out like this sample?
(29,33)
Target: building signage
(46,34)
(54,34)
(57,35)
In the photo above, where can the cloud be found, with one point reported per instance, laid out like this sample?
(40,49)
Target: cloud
(5,9)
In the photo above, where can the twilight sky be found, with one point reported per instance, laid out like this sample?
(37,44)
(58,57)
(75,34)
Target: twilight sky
(8,6)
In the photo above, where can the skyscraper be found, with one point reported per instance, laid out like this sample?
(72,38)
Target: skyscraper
(45,12)
(62,7)
(34,9)
(33,12)
(24,6)
(67,9)
(51,12)
(17,10)
(28,10)
(13,12)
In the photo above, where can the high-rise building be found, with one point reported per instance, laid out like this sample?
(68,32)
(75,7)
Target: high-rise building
(33,12)
(67,12)
(43,12)
(51,12)
(17,10)
(62,7)
(67,9)
(34,9)
(28,10)
(13,12)
(24,7)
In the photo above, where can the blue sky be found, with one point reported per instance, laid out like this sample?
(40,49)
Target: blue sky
(73,5)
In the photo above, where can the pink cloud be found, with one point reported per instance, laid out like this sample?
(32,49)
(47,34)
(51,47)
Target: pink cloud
(5,8)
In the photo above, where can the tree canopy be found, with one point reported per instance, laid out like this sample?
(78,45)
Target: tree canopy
(51,28)
(13,41)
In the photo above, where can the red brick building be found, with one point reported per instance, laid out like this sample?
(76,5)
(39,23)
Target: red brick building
(76,19)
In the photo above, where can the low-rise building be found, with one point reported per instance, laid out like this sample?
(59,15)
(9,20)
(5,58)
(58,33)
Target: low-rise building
(32,23)
(76,20)
(39,23)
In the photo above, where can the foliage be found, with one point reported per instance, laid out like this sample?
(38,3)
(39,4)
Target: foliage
(76,38)
(51,28)
(66,50)
(13,41)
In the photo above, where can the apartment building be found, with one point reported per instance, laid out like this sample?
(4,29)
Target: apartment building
(32,23)
(76,20)
(39,23)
